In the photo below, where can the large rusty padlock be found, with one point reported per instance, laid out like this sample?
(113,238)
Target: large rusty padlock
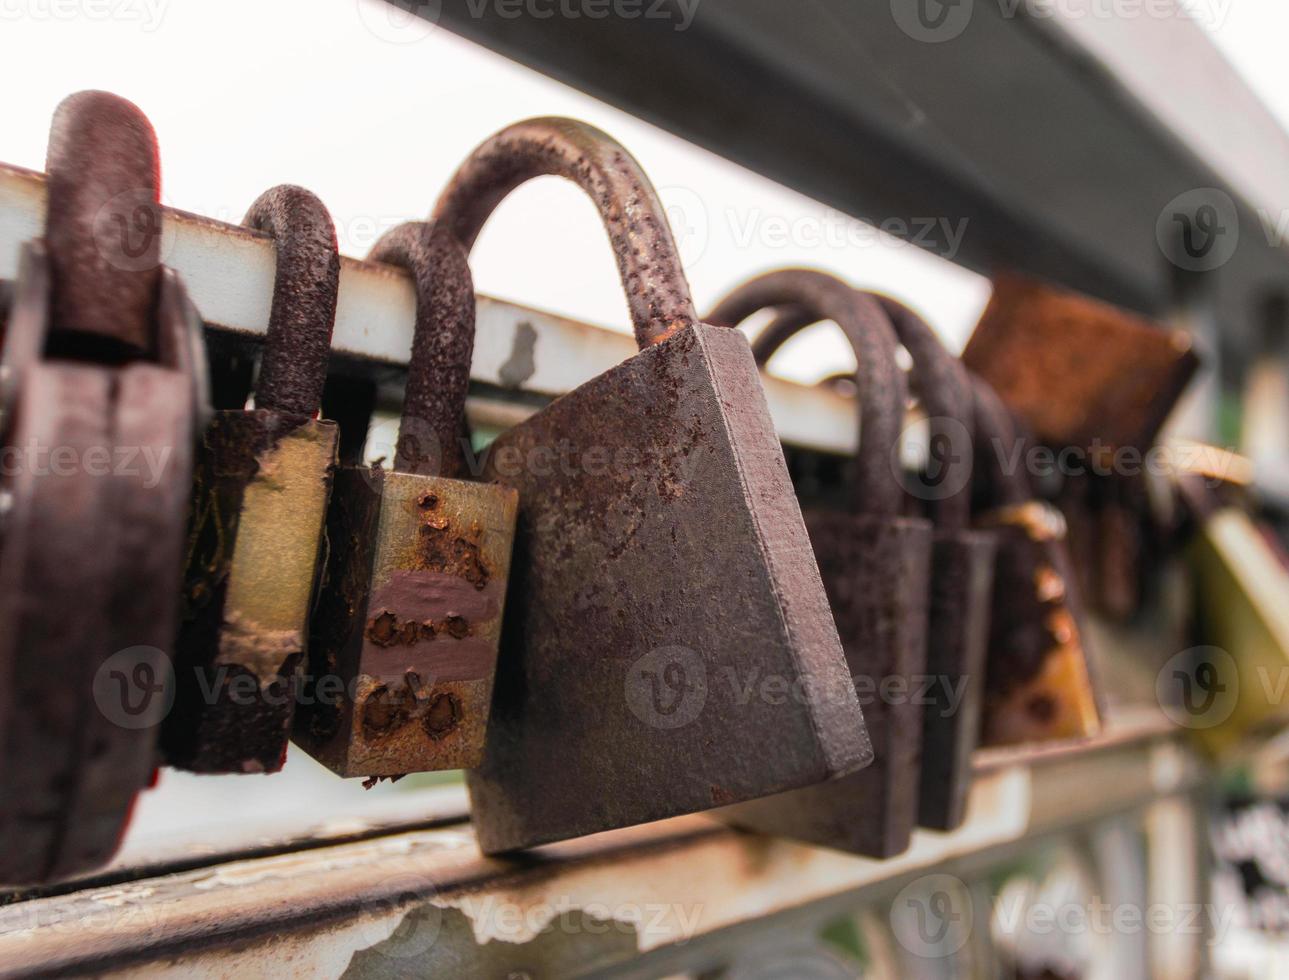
(260,494)
(405,637)
(663,576)
(103,398)
(1039,684)
(875,564)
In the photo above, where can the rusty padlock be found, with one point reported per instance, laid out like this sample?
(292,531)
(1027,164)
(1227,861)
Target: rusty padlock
(662,570)
(1038,681)
(102,365)
(962,575)
(1079,372)
(962,560)
(876,570)
(404,640)
(260,494)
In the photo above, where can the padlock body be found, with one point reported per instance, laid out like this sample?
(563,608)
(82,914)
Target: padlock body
(260,495)
(1078,371)
(663,576)
(876,572)
(1038,682)
(404,643)
(962,580)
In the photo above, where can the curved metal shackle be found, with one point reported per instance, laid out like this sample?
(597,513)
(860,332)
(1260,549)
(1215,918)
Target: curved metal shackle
(438,373)
(940,381)
(883,390)
(103,220)
(1000,446)
(652,275)
(306,284)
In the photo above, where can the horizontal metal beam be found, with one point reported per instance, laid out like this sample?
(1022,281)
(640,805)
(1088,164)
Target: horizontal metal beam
(1059,133)
(518,351)
(602,901)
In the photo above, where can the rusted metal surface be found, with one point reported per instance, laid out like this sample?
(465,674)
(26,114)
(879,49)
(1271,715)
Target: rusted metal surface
(78,757)
(259,501)
(1039,683)
(408,622)
(1079,372)
(962,571)
(103,223)
(305,288)
(643,902)
(632,621)
(657,290)
(875,565)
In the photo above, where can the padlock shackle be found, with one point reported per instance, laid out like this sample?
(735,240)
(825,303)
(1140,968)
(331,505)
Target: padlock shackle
(940,382)
(432,430)
(883,390)
(1000,447)
(306,285)
(103,222)
(652,275)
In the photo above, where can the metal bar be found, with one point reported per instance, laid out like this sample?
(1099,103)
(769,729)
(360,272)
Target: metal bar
(518,351)
(600,903)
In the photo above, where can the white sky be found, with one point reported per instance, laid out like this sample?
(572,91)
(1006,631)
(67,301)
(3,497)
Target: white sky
(373,115)
(245,94)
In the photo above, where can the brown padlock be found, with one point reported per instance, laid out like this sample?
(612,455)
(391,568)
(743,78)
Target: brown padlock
(260,491)
(876,570)
(1077,371)
(662,572)
(1038,680)
(102,364)
(404,638)
(962,559)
